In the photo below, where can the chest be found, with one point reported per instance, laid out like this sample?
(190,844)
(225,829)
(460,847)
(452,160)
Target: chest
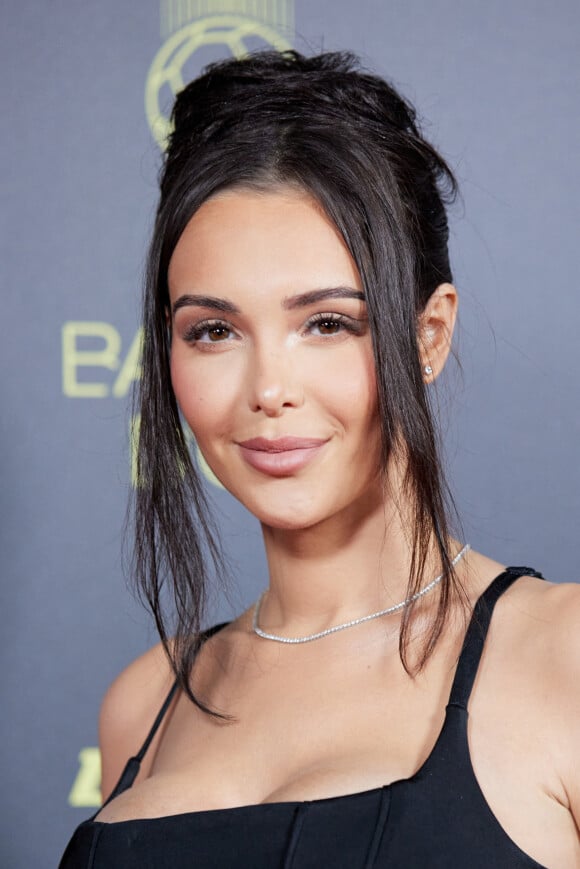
(307,732)
(307,737)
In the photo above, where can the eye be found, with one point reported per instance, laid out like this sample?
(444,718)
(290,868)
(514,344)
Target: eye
(208,332)
(217,333)
(329,325)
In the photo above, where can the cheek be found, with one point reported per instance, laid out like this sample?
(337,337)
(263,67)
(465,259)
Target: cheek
(350,387)
(195,397)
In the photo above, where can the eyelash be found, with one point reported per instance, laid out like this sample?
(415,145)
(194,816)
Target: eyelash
(347,323)
(195,333)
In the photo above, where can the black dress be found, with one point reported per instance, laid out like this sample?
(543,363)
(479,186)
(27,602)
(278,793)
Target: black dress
(436,819)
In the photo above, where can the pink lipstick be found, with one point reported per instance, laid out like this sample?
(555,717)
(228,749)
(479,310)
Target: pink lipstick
(280,457)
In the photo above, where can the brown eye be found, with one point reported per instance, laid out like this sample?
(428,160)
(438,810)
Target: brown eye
(209,332)
(217,333)
(333,326)
(328,327)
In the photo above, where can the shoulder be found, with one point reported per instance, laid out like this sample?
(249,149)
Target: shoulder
(556,614)
(562,684)
(541,618)
(128,711)
(545,645)
(549,614)
(533,652)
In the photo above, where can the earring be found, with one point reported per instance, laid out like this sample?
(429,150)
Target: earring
(428,370)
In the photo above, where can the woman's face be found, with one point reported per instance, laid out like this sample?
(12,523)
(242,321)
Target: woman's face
(271,357)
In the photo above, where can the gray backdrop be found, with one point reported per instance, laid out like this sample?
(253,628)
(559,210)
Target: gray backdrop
(499,84)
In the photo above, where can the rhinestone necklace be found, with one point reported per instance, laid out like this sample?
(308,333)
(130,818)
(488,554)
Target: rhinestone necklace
(392,609)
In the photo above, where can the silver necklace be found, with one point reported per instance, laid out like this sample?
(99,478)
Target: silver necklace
(392,609)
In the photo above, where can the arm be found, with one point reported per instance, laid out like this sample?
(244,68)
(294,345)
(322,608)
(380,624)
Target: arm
(563,662)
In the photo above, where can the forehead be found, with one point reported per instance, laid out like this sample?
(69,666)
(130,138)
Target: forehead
(280,240)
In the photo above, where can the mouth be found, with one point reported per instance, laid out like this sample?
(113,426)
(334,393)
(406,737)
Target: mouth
(281,457)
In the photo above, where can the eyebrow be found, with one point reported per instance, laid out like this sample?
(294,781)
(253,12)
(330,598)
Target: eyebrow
(290,303)
(189,300)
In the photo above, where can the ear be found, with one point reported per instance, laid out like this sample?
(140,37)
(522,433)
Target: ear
(435,330)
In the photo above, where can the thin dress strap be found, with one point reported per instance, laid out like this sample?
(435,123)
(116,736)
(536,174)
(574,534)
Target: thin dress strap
(133,765)
(477,631)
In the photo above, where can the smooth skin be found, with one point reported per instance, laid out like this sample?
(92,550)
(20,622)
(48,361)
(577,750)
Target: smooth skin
(256,355)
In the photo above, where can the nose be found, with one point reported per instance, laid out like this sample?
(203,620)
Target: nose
(274,384)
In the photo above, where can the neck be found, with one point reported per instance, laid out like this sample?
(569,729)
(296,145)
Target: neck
(352,564)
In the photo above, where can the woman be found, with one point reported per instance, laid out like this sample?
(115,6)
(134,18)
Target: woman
(299,306)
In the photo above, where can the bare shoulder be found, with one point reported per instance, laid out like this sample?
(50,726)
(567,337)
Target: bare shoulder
(542,620)
(128,710)
(553,611)
(544,617)
(557,612)
(534,643)
(561,684)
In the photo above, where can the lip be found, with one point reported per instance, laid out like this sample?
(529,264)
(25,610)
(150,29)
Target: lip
(281,445)
(280,457)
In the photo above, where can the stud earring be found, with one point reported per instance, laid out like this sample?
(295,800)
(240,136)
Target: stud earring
(428,370)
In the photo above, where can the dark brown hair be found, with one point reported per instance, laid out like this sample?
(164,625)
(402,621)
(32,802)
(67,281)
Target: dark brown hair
(349,139)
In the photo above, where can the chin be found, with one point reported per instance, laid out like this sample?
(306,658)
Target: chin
(286,515)
(287,520)
(288,523)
